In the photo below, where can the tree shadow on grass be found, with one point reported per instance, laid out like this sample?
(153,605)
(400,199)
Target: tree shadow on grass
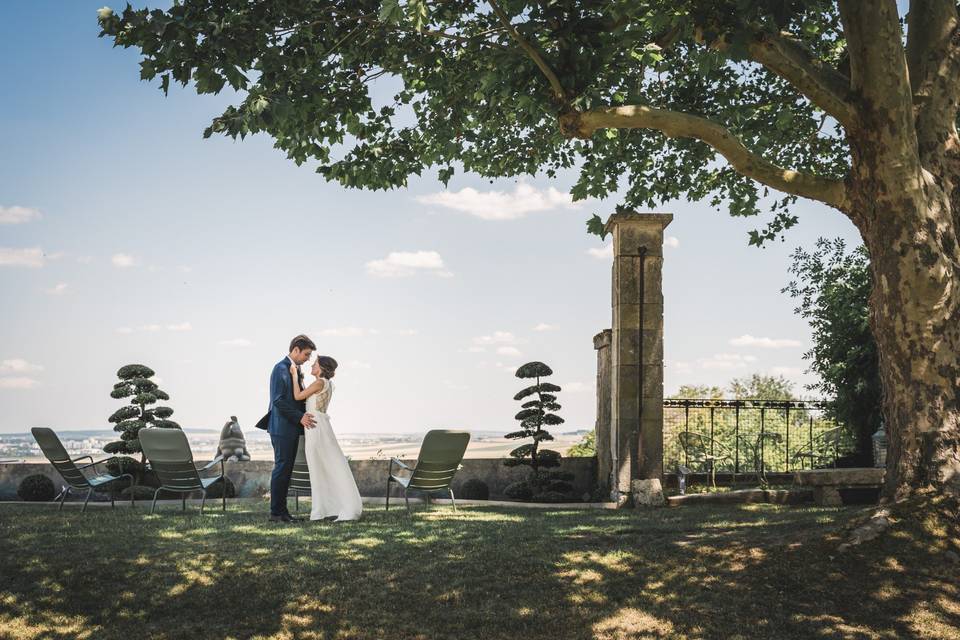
(757,571)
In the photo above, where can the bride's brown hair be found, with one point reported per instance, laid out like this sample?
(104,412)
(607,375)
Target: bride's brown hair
(328,366)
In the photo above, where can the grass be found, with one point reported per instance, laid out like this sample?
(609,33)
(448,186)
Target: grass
(739,571)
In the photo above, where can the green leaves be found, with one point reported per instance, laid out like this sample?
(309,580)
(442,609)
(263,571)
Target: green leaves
(534,370)
(390,12)
(130,419)
(595,225)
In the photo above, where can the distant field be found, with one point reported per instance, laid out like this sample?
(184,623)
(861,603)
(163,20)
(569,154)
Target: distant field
(357,448)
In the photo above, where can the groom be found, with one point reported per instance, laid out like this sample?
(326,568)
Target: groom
(288,418)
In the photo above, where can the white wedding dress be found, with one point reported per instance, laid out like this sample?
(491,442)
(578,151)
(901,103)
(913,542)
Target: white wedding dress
(333,491)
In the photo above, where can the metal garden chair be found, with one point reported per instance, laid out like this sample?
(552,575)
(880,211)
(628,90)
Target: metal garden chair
(170,457)
(300,480)
(72,474)
(440,455)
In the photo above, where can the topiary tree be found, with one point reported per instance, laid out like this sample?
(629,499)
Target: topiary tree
(534,416)
(37,488)
(135,384)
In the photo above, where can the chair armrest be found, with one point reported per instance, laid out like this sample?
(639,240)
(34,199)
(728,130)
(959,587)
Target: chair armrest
(90,458)
(398,462)
(218,459)
(94,464)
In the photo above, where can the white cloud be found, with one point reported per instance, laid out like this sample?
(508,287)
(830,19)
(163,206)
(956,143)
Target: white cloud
(33,257)
(499,205)
(18,365)
(576,387)
(543,326)
(183,326)
(184,269)
(680,366)
(747,340)
(404,332)
(476,350)
(508,351)
(18,215)
(497,337)
(603,253)
(18,383)
(726,361)
(123,260)
(399,264)
(151,327)
(57,289)
(236,342)
(85,259)
(672,242)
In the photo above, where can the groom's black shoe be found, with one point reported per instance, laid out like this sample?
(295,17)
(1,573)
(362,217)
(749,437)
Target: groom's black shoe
(282,518)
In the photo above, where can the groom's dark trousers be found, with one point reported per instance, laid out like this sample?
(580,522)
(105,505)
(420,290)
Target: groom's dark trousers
(285,431)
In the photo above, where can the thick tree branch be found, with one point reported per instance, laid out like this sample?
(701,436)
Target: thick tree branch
(789,59)
(933,59)
(558,91)
(880,80)
(674,124)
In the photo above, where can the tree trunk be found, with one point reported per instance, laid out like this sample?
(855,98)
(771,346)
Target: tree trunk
(911,234)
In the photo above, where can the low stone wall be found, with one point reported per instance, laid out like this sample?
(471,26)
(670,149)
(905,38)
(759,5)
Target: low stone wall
(252,479)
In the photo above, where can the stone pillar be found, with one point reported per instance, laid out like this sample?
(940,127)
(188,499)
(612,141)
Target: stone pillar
(601,342)
(636,420)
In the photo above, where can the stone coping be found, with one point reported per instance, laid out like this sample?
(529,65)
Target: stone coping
(773,496)
(853,476)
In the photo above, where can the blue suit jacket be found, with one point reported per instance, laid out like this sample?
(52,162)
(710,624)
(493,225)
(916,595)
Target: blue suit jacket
(285,412)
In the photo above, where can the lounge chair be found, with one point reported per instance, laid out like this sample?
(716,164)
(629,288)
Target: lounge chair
(300,480)
(170,457)
(440,455)
(72,474)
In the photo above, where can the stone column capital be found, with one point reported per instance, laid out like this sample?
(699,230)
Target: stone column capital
(660,220)
(603,339)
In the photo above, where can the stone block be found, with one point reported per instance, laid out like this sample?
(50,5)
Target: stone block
(627,316)
(647,493)
(844,477)
(827,496)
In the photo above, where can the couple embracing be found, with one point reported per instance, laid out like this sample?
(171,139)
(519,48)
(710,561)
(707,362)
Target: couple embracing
(297,411)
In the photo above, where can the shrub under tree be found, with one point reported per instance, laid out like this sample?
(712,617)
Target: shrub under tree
(833,289)
(143,393)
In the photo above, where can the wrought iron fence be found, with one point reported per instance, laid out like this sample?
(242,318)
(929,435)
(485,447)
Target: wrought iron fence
(751,436)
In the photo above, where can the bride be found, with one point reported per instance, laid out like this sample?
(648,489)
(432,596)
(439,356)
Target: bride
(333,491)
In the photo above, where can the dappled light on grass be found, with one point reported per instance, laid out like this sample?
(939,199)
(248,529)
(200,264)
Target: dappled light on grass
(478,573)
(633,624)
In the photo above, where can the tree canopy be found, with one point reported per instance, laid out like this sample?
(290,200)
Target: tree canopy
(376,91)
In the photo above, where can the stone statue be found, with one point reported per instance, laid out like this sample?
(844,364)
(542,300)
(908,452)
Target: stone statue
(233,447)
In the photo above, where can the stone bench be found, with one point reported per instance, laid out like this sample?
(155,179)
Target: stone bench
(827,483)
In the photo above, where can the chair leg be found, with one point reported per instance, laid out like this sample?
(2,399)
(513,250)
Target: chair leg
(154,504)
(388,494)
(183,502)
(296,501)
(223,497)
(203,501)
(452,499)
(89,493)
(66,492)
(133,499)
(406,499)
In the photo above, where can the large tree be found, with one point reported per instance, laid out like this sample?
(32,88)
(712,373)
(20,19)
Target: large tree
(729,100)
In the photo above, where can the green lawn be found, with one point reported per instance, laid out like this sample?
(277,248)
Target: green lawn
(757,571)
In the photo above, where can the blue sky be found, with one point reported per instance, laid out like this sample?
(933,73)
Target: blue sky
(126,237)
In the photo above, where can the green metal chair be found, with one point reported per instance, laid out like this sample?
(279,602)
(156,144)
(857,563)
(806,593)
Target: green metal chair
(171,459)
(440,455)
(72,474)
(300,480)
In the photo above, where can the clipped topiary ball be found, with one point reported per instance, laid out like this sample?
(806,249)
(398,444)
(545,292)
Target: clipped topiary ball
(518,490)
(475,489)
(534,370)
(552,497)
(131,371)
(37,488)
